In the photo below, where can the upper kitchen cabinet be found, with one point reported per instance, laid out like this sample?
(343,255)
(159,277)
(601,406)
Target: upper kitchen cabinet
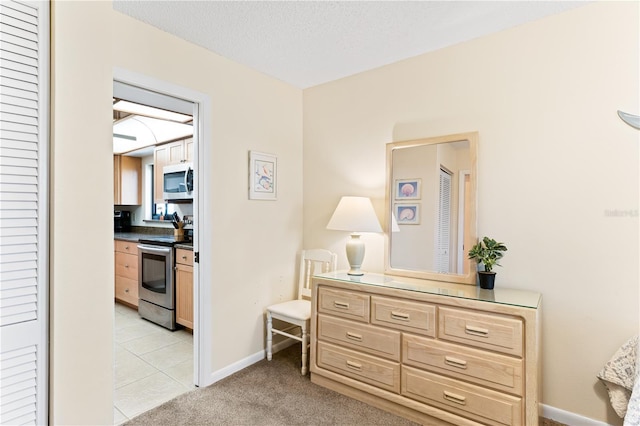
(127,180)
(188,150)
(164,155)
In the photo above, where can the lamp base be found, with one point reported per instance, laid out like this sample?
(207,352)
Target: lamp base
(355,254)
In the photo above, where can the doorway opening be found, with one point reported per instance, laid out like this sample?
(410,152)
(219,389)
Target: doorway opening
(154,361)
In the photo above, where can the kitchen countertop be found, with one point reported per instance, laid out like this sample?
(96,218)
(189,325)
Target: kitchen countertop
(135,236)
(130,236)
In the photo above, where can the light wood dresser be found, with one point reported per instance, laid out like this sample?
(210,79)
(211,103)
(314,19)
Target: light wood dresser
(433,352)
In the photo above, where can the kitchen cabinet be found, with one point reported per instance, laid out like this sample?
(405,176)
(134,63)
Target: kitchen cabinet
(126,272)
(435,353)
(165,155)
(188,150)
(127,180)
(184,287)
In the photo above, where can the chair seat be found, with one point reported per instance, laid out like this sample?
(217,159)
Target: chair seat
(296,309)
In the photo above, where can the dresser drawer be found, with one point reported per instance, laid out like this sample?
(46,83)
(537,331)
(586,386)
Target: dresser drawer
(488,331)
(355,335)
(127,265)
(401,314)
(365,368)
(127,290)
(344,304)
(483,405)
(499,372)
(126,247)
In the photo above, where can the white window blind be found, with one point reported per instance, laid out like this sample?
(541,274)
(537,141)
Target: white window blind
(444,223)
(24,46)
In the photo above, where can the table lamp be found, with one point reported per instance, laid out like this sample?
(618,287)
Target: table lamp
(355,214)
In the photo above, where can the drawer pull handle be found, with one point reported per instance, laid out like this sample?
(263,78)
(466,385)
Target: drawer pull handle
(184,257)
(354,365)
(400,316)
(126,266)
(353,336)
(458,399)
(455,362)
(476,331)
(341,305)
(126,290)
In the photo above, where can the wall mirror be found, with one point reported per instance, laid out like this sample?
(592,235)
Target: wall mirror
(431,208)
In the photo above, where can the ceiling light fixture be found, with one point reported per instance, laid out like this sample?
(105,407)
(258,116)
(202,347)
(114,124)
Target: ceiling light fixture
(144,132)
(147,111)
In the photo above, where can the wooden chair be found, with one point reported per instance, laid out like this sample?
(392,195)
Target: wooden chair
(297,313)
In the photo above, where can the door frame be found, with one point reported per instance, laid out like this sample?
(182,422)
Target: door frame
(462,220)
(202,274)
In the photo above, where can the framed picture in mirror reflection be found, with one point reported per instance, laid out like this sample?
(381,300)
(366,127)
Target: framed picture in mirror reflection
(407,214)
(408,189)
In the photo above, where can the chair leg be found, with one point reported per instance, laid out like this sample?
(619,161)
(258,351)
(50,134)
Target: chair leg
(269,336)
(305,338)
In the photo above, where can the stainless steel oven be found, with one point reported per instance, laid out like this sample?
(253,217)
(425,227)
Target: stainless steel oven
(156,286)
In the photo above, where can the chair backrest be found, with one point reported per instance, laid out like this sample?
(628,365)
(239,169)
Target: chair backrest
(312,262)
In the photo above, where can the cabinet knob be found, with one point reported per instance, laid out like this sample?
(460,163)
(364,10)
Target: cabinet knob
(126,266)
(126,290)
(184,257)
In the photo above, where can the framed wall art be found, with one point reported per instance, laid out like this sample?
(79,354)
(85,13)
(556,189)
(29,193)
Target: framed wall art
(408,189)
(407,214)
(263,176)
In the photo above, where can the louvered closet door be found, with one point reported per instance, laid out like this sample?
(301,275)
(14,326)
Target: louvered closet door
(443,248)
(24,86)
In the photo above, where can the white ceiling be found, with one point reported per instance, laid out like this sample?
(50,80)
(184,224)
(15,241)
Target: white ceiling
(306,43)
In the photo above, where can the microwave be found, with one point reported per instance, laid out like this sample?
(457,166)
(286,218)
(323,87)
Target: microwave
(177,182)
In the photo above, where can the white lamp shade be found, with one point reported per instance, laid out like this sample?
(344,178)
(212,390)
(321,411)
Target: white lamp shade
(354,214)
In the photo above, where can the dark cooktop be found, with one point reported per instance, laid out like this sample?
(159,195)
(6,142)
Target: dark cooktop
(161,240)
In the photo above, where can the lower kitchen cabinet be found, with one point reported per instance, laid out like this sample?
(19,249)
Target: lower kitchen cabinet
(435,353)
(126,272)
(184,287)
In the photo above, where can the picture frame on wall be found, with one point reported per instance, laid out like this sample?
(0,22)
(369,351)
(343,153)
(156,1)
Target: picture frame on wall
(263,176)
(408,189)
(407,214)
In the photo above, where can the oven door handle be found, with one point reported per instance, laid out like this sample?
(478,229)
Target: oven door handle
(158,250)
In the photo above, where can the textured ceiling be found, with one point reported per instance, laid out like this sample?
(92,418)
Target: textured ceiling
(306,43)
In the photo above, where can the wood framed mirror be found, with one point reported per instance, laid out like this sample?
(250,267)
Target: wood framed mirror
(431,208)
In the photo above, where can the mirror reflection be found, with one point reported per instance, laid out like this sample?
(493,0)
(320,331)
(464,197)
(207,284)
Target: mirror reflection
(431,207)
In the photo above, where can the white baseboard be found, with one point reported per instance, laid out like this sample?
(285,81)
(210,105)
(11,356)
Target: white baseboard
(236,366)
(246,362)
(568,417)
(277,347)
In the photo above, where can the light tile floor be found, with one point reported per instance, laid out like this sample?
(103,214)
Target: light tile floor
(152,364)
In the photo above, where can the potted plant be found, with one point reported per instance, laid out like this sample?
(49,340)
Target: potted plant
(488,252)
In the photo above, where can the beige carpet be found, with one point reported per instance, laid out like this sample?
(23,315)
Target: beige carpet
(268,393)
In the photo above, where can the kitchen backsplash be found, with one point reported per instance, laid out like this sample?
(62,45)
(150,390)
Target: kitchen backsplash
(137,215)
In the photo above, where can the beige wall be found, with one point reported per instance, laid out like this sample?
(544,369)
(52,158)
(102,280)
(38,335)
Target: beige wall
(81,289)
(254,243)
(553,159)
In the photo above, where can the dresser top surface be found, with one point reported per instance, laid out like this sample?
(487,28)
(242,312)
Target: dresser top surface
(499,295)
